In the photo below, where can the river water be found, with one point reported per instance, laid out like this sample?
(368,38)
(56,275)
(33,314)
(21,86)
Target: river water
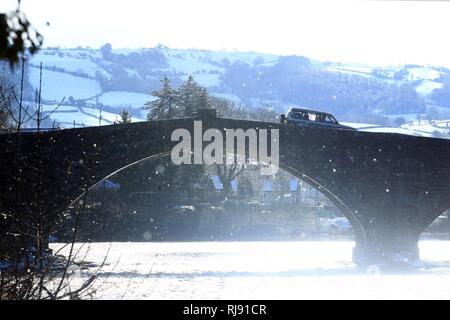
(257,270)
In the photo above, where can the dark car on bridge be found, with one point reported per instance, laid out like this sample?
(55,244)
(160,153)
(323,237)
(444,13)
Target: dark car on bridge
(311,118)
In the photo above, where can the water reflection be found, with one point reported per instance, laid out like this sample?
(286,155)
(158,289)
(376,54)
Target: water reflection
(261,270)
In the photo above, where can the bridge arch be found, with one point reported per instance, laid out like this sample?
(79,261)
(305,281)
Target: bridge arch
(358,229)
(433,215)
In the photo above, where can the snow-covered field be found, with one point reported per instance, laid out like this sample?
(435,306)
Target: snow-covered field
(80,119)
(58,85)
(69,63)
(124,99)
(54,108)
(358,125)
(259,270)
(86,117)
(190,66)
(427,87)
(395,130)
(423,73)
(414,128)
(366,72)
(218,56)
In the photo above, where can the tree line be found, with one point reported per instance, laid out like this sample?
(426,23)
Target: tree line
(174,102)
(295,81)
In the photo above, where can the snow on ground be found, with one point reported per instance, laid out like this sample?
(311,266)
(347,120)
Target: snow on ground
(358,125)
(426,127)
(67,63)
(442,124)
(430,129)
(219,56)
(126,51)
(71,53)
(359,68)
(256,270)
(427,87)
(395,130)
(57,109)
(413,127)
(57,85)
(192,61)
(349,70)
(107,117)
(142,119)
(123,99)
(80,119)
(423,73)
(84,53)
(190,66)
(86,117)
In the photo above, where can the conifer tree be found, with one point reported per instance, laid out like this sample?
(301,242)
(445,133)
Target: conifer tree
(124,117)
(189,96)
(164,107)
(204,99)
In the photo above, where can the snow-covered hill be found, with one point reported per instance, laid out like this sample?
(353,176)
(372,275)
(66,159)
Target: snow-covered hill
(435,129)
(93,82)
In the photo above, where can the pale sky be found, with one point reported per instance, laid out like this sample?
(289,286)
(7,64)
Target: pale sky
(374,32)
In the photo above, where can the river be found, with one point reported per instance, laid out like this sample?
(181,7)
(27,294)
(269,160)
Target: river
(257,270)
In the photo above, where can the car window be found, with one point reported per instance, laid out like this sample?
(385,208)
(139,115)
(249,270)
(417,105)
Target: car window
(299,116)
(330,119)
(295,115)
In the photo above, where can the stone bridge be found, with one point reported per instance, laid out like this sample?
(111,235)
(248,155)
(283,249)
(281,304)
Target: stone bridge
(390,186)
